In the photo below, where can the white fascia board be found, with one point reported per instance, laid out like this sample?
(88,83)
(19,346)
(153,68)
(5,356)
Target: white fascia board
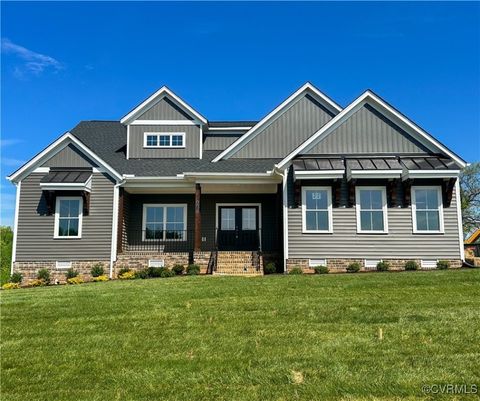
(158,95)
(292,98)
(369,97)
(318,175)
(411,174)
(228,128)
(51,186)
(52,150)
(374,174)
(165,122)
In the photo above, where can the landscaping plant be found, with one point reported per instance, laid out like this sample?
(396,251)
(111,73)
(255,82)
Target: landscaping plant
(178,269)
(320,269)
(44,275)
(383,266)
(97,270)
(71,273)
(270,268)
(193,270)
(411,265)
(16,278)
(295,270)
(443,264)
(354,267)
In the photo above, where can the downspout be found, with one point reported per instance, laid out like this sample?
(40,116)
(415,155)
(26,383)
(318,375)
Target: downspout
(459,219)
(285,218)
(113,252)
(15,225)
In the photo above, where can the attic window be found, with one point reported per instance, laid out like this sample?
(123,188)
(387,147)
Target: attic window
(161,140)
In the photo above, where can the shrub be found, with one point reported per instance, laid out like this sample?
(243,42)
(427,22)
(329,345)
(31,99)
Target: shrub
(44,274)
(411,265)
(353,267)
(143,274)
(383,266)
(103,277)
(155,271)
(37,283)
(296,270)
(126,275)
(178,269)
(123,270)
(193,270)
(443,264)
(97,270)
(16,278)
(320,269)
(71,273)
(270,268)
(10,286)
(75,280)
(167,273)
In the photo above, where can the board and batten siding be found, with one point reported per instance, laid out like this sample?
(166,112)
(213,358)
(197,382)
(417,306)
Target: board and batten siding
(69,156)
(35,231)
(136,142)
(399,243)
(218,142)
(288,131)
(368,131)
(165,109)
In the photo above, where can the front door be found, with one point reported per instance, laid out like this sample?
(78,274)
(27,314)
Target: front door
(238,228)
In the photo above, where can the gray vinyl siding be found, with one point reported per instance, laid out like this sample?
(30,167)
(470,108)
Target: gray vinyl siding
(214,142)
(192,142)
(35,240)
(165,109)
(399,243)
(69,156)
(288,131)
(368,131)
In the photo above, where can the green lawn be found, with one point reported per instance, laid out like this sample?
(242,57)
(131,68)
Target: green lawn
(229,338)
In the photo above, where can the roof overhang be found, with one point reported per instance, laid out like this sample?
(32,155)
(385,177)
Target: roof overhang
(318,175)
(416,174)
(378,174)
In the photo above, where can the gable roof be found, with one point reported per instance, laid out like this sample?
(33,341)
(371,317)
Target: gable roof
(155,98)
(473,238)
(307,88)
(371,98)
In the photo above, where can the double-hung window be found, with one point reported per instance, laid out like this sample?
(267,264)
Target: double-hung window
(317,210)
(371,207)
(164,222)
(164,140)
(68,217)
(427,210)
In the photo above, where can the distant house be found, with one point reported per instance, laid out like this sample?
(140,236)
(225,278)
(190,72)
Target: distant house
(472,246)
(309,184)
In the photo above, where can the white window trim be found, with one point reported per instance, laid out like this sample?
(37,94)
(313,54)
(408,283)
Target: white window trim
(438,188)
(57,217)
(158,134)
(164,205)
(329,210)
(384,209)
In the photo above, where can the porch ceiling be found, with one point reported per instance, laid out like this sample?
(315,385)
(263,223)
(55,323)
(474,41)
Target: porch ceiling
(207,188)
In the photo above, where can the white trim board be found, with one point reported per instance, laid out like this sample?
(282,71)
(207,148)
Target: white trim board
(459,220)
(15,224)
(307,88)
(370,98)
(154,99)
(165,122)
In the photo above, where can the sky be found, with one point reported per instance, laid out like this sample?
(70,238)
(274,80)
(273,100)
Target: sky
(63,62)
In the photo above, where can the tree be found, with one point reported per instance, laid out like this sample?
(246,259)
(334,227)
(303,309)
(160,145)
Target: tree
(470,196)
(6,241)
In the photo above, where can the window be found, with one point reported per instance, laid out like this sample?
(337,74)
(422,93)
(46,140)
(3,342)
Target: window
(317,210)
(427,210)
(164,222)
(371,205)
(227,219)
(249,219)
(68,217)
(164,140)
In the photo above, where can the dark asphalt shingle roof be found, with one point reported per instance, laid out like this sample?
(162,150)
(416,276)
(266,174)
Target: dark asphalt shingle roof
(108,140)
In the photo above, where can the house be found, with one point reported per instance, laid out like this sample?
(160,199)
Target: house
(309,184)
(472,247)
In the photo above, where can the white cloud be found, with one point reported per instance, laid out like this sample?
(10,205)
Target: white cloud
(33,63)
(12,162)
(9,142)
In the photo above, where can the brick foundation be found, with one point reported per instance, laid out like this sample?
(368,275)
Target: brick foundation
(340,265)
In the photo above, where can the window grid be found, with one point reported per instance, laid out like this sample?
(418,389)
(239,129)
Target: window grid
(68,217)
(164,222)
(317,210)
(371,204)
(427,210)
(164,140)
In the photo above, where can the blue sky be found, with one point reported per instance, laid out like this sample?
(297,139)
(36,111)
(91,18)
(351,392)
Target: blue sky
(66,62)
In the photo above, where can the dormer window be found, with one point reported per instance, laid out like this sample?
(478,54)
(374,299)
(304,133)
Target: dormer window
(164,140)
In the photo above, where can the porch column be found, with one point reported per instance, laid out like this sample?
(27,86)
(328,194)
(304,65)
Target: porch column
(198,219)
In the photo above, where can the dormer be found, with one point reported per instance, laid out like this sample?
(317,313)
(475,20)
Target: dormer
(164,126)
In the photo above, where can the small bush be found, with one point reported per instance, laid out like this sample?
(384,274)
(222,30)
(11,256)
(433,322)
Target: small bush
(320,269)
(167,273)
(124,270)
(71,273)
(16,278)
(411,265)
(353,267)
(11,286)
(143,274)
(296,270)
(443,264)
(37,283)
(155,271)
(103,277)
(127,275)
(75,280)
(178,269)
(193,270)
(97,270)
(270,268)
(44,274)
(383,266)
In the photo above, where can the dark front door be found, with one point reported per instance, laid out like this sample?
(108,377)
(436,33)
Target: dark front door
(238,228)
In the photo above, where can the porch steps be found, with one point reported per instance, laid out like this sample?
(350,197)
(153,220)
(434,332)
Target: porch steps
(238,263)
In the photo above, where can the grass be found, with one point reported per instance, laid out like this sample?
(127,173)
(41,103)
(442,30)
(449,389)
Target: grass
(228,338)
